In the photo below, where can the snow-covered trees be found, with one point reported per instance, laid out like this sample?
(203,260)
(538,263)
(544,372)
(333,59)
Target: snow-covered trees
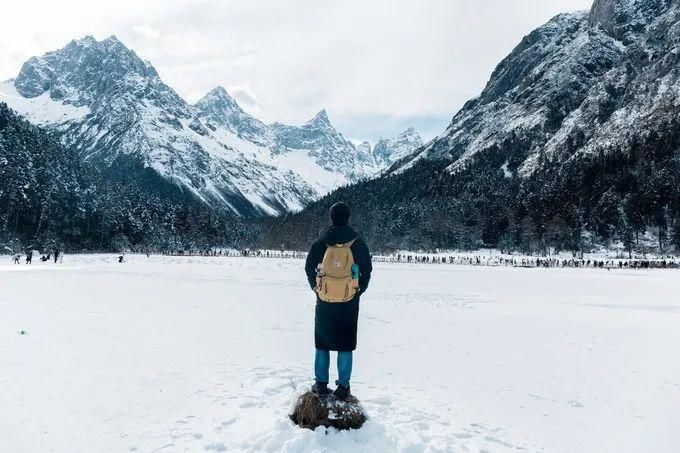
(47,196)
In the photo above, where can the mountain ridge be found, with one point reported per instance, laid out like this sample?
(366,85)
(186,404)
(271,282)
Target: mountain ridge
(113,109)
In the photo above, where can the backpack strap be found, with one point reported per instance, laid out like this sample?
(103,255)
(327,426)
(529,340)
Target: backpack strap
(345,245)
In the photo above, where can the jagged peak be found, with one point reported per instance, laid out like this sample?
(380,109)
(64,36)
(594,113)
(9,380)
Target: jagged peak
(320,118)
(220,96)
(616,17)
(219,91)
(68,66)
(364,146)
(109,44)
(603,13)
(411,132)
(90,41)
(85,40)
(116,45)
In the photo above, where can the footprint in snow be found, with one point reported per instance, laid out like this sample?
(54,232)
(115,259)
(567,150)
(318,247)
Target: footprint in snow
(247,404)
(383,400)
(216,446)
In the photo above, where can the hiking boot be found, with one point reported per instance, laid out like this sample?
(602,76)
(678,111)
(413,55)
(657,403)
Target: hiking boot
(341,392)
(321,389)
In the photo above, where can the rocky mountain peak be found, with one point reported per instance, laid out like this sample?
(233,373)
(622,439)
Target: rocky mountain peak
(81,71)
(218,98)
(623,19)
(389,150)
(411,134)
(220,92)
(603,14)
(113,39)
(219,107)
(364,147)
(320,119)
(87,40)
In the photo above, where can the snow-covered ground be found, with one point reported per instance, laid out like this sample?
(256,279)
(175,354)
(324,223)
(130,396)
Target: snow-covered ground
(195,354)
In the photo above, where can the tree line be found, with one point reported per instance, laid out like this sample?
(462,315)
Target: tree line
(610,195)
(50,198)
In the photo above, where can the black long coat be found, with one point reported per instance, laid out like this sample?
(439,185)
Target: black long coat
(335,324)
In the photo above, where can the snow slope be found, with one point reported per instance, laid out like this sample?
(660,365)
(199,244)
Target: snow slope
(206,354)
(41,109)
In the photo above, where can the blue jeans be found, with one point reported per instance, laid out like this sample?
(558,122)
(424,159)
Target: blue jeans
(322,362)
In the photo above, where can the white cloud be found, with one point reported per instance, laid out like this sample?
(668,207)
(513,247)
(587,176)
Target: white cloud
(361,60)
(147,31)
(245,97)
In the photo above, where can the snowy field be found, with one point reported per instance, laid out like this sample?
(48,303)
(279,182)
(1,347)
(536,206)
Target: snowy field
(167,354)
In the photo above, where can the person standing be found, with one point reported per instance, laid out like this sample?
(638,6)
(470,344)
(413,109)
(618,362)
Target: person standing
(338,269)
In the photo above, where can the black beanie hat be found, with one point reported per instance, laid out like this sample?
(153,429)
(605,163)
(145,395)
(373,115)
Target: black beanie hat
(340,214)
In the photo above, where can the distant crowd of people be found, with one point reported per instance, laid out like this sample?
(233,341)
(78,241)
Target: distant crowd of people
(238,253)
(478,260)
(27,256)
(607,264)
(469,260)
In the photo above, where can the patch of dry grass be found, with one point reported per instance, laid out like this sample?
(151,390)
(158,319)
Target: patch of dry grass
(311,412)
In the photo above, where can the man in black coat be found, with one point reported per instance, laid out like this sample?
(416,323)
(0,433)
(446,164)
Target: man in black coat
(335,324)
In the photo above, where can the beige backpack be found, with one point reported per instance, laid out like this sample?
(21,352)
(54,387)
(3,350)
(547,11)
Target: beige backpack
(334,281)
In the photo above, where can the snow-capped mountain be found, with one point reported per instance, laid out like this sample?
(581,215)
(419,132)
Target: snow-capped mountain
(219,109)
(390,150)
(114,110)
(319,139)
(580,82)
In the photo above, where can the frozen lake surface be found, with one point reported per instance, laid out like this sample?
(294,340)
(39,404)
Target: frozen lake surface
(195,354)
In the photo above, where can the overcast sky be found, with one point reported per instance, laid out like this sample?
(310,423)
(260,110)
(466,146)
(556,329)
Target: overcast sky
(376,66)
